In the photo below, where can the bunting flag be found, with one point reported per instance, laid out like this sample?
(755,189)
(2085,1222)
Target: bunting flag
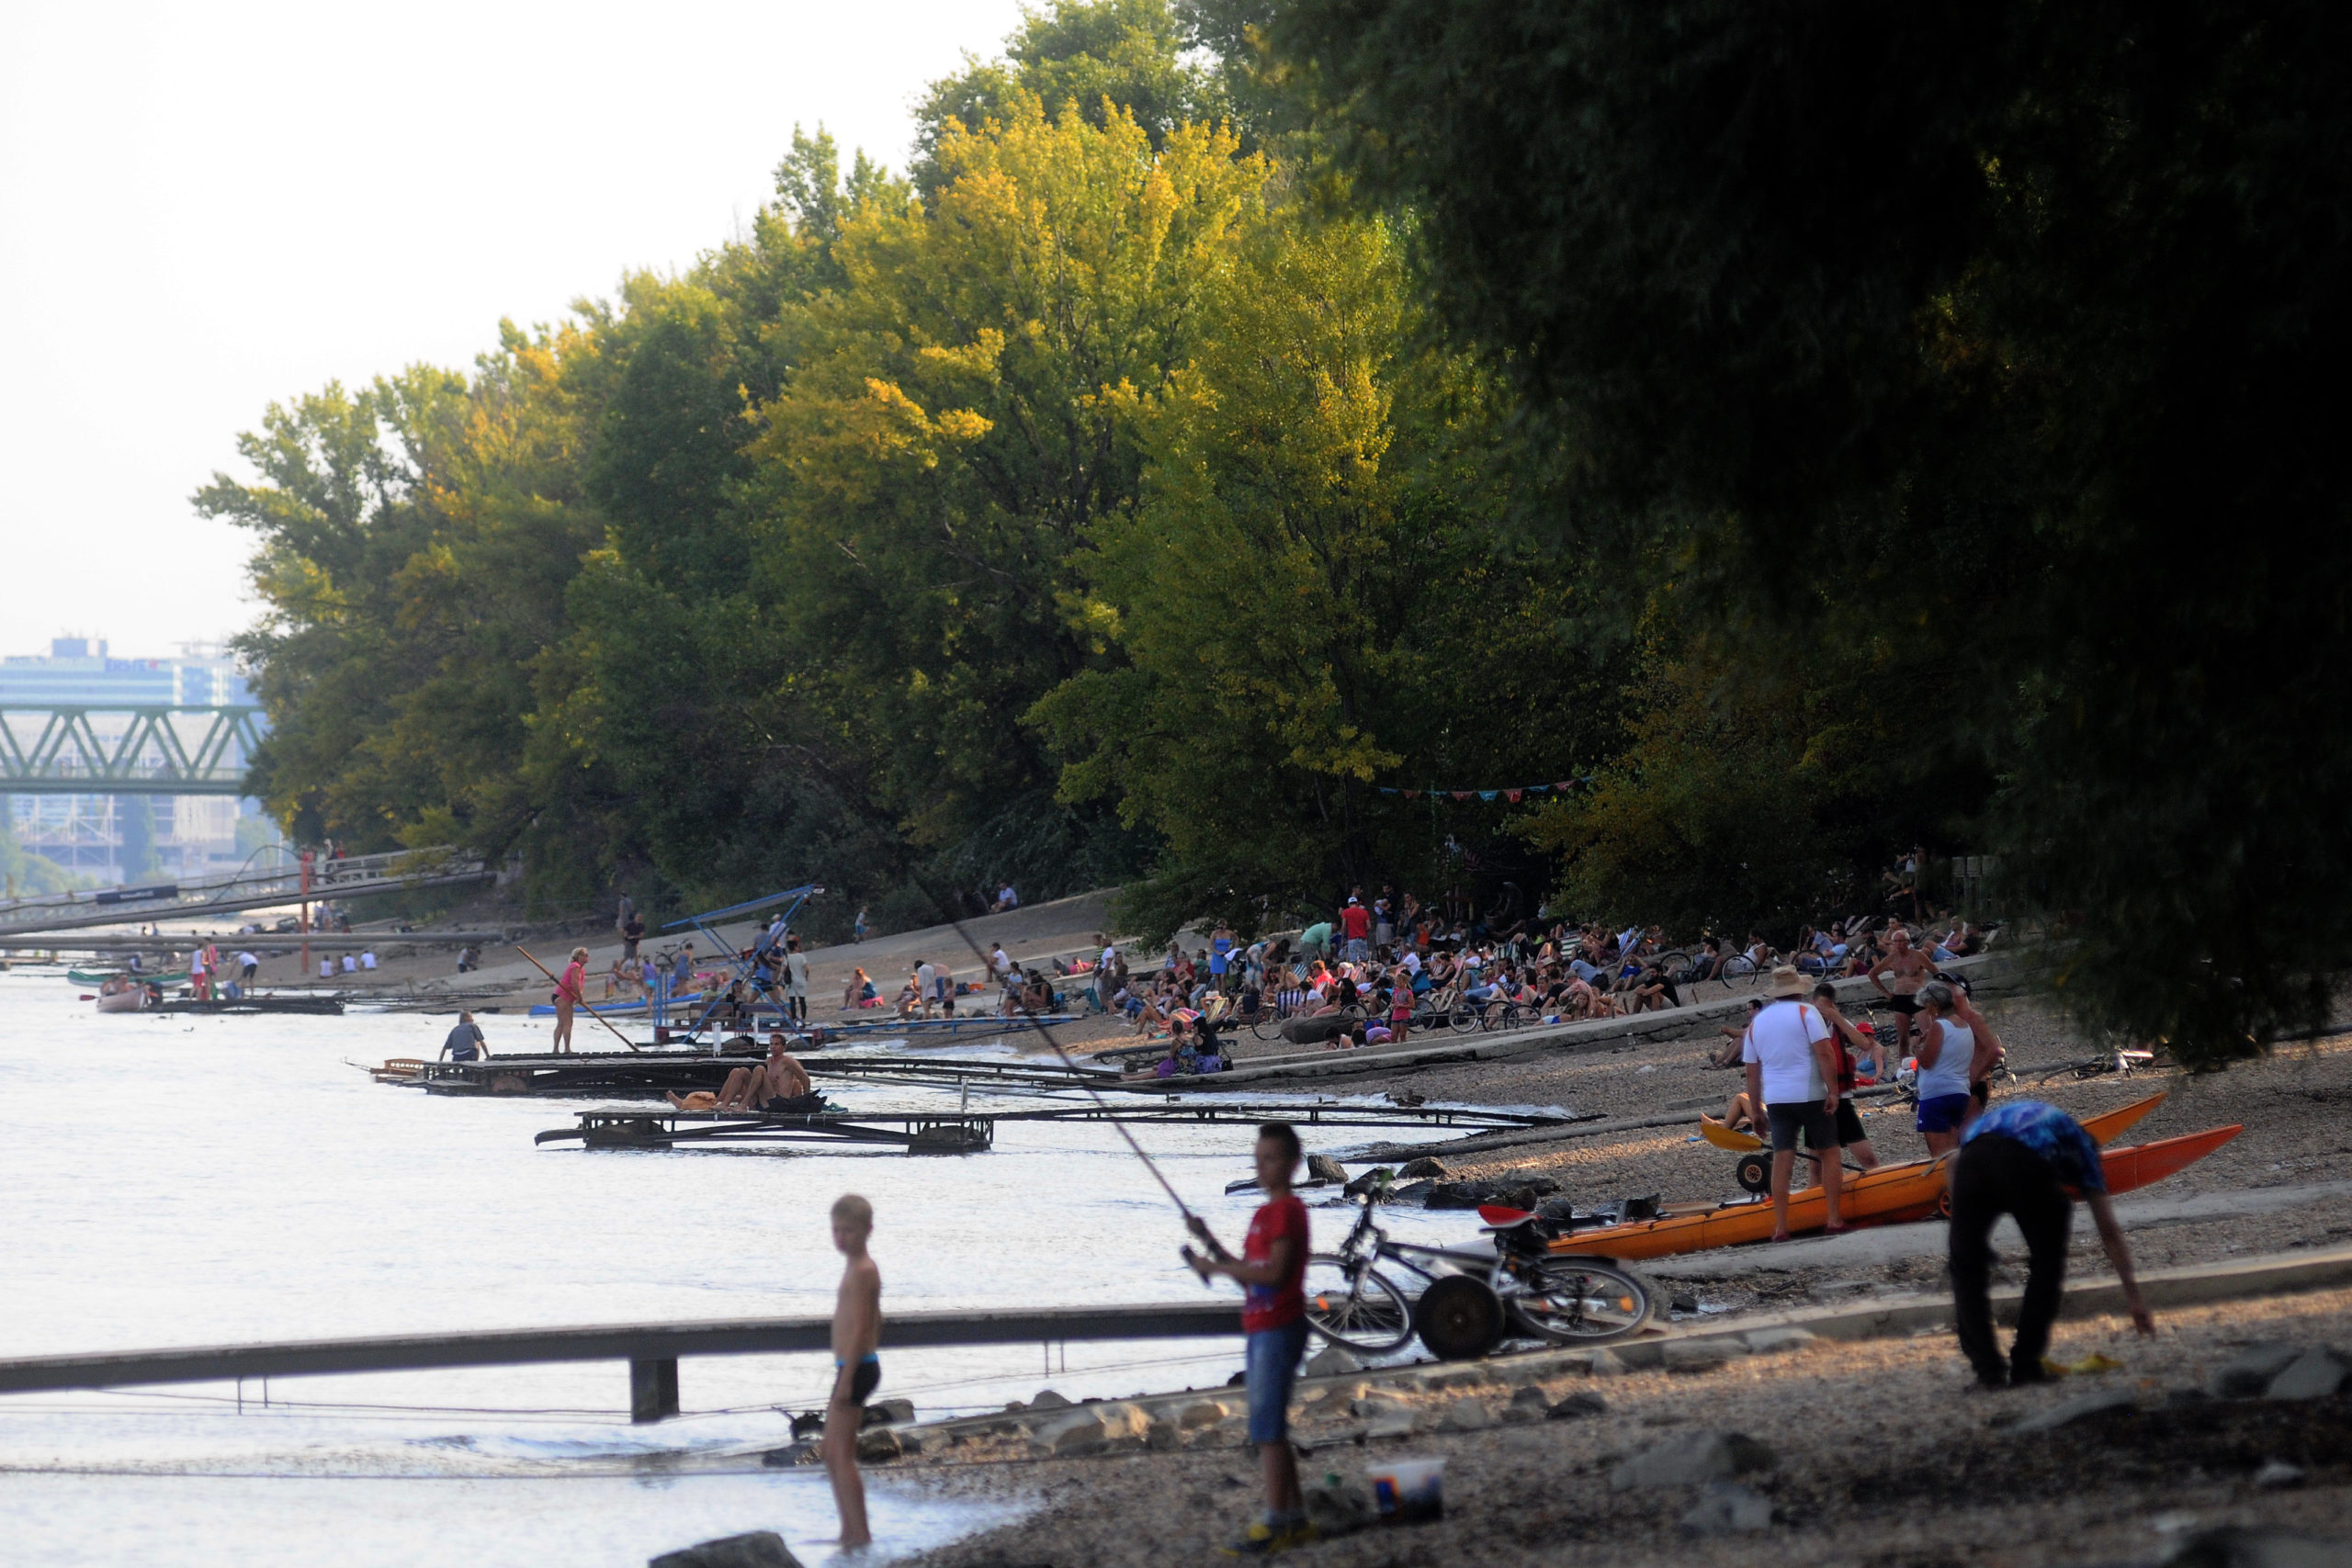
(1514,794)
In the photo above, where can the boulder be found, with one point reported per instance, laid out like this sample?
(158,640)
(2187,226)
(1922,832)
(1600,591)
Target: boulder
(1382,1407)
(1728,1509)
(755,1548)
(1529,1403)
(1332,1362)
(1200,1414)
(1693,1356)
(1512,1192)
(1465,1415)
(1047,1400)
(1427,1165)
(2071,1410)
(1576,1406)
(2234,1547)
(2249,1371)
(1693,1459)
(1609,1364)
(1162,1436)
(878,1445)
(2314,1374)
(1323,1168)
(1369,1179)
(1772,1341)
(897,1411)
(1069,1434)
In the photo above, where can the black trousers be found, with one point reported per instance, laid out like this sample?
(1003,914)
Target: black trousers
(2000,1176)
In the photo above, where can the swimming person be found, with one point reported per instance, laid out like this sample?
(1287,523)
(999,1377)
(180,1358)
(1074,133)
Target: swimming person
(465,1042)
(857,1367)
(1272,1271)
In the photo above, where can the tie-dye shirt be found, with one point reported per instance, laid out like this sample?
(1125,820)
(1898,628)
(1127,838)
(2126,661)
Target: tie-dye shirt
(2050,1132)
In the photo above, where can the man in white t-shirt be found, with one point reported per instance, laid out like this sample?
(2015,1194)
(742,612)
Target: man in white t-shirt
(795,979)
(1792,1074)
(926,980)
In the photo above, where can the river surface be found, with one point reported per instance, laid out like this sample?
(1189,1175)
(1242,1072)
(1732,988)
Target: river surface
(168,1181)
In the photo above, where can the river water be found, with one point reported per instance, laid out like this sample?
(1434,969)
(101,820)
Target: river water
(171,1181)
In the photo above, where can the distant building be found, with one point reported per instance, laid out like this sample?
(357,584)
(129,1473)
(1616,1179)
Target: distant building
(116,839)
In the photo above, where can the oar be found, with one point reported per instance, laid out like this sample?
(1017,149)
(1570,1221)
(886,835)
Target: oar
(591,1013)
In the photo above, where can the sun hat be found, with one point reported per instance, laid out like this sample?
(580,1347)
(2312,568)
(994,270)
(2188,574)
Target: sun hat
(1787,982)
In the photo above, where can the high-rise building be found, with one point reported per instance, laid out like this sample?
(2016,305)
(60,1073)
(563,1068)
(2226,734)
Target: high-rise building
(128,838)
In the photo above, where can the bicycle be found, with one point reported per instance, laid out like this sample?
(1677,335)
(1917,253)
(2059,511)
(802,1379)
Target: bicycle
(1471,1300)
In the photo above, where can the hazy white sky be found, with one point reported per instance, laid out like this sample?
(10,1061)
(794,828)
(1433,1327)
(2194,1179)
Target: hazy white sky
(204,208)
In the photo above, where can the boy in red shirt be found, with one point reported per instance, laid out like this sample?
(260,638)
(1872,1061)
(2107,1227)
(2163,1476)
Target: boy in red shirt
(1271,1270)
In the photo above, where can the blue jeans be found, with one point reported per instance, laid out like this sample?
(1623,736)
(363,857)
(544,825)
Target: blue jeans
(1271,1367)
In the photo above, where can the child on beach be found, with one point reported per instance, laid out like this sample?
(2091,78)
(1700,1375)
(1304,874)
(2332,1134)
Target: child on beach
(1271,1270)
(857,1330)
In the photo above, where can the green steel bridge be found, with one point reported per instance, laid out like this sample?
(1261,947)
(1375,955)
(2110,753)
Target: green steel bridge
(126,748)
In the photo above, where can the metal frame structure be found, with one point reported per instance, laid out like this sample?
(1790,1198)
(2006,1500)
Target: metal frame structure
(736,968)
(68,757)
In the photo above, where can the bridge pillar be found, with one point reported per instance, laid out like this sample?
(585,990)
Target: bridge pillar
(652,1390)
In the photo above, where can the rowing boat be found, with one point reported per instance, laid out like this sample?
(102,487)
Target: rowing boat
(1889,1195)
(100,976)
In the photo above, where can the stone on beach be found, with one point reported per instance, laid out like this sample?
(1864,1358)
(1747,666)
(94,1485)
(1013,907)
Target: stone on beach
(2249,1371)
(1693,1459)
(1467,1415)
(1088,1429)
(2314,1374)
(1332,1361)
(1700,1356)
(1200,1414)
(1578,1405)
(1772,1341)
(1727,1508)
(755,1548)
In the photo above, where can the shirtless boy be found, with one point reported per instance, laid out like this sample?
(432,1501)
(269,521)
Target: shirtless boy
(1898,978)
(857,1331)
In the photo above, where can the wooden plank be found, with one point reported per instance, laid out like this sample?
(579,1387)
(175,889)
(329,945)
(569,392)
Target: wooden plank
(616,1342)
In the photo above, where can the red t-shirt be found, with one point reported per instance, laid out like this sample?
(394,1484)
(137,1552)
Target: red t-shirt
(1355,922)
(1282,1303)
(575,984)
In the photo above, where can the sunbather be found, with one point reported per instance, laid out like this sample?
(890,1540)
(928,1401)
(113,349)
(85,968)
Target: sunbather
(778,1083)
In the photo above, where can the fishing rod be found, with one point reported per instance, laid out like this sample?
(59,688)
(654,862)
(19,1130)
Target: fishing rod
(582,1001)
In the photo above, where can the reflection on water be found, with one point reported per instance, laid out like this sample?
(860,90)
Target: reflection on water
(175,1182)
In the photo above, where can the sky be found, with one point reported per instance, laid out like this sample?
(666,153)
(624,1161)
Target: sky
(207,209)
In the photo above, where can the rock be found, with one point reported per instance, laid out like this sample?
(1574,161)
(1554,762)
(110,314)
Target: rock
(1339,1397)
(1519,1192)
(802,1452)
(1609,1364)
(1162,1436)
(1576,1406)
(1426,1166)
(878,1445)
(1369,1179)
(2074,1409)
(755,1548)
(1693,1459)
(1684,1303)
(1529,1403)
(1699,1355)
(2249,1371)
(1728,1509)
(1341,1509)
(1323,1168)
(1466,1416)
(897,1411)
(1772,1341)
(1332,1362)
(1460,1377)
(1382,1407)
(1124,1425)
(2279,1473)
(1069,1434)
(2231,1546)
(1047,1400)
(1200,1414)
(2314,1374)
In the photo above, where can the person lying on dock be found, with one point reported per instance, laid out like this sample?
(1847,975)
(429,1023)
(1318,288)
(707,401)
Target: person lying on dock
(779,1085)
(465,1042)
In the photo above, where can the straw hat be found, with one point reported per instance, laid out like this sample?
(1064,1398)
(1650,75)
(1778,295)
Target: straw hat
(1787,983)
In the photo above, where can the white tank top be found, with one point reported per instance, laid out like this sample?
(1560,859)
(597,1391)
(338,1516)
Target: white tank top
(1949,1075)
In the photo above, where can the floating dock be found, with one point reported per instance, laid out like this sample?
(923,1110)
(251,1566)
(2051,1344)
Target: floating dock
(962,1132)
(650,1075)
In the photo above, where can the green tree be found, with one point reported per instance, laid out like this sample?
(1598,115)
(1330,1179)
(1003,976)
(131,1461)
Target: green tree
(2056,289)
(1308,601)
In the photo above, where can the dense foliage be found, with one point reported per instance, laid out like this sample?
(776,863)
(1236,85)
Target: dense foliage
(2053,295)
(1828,428)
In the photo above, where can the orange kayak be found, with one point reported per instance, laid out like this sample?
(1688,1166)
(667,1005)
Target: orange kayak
(1889,1195)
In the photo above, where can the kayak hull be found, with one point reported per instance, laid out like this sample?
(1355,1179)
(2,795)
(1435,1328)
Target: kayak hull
(1889,1195)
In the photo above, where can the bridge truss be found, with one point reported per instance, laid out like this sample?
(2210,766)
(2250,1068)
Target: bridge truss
(103,749)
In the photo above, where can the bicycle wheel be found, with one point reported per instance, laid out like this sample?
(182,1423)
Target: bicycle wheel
(1267,1025)
(1576,1300)
(1461,1018)
(1354,1306)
